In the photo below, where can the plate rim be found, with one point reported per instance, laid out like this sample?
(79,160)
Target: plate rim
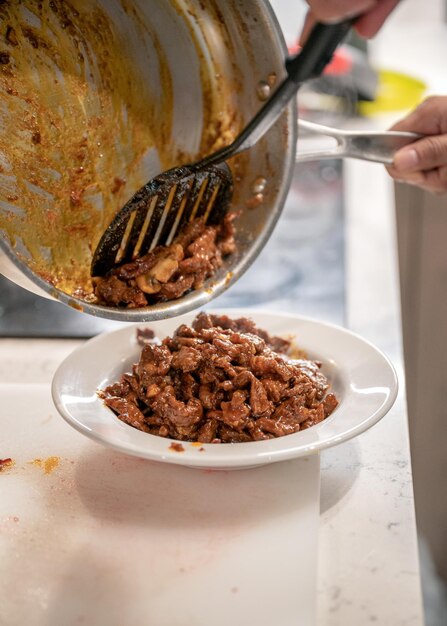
(189,458)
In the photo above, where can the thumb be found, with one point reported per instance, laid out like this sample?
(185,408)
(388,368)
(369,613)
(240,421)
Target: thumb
(424,154)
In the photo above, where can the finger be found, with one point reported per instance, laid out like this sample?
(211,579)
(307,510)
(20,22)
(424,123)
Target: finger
(429,118)
(410,178)
(424,154)
(324,11)
(373,14)
(434,180)
(369,24)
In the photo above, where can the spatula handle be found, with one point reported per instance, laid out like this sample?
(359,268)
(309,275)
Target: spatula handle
(317,52)
(309,63)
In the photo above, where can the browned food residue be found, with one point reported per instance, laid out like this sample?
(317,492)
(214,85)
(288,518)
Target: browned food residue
(48,465)
(254,201)
(6,464)
(228,277)
(117,184)
(177,447)
(80,125)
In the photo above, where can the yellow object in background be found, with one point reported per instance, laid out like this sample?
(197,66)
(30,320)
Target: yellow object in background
(396,92)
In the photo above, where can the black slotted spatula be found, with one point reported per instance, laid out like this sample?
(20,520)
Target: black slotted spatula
(155,213)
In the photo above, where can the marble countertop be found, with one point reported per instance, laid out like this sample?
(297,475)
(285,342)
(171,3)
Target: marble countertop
(368,556)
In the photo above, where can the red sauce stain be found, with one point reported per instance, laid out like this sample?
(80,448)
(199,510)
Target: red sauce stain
(176,447)
(117,184)
(6,464)
(75,305)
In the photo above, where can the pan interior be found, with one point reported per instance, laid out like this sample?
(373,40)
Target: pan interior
(96,98)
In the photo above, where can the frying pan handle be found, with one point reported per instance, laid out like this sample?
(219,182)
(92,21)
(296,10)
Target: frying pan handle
(309,63)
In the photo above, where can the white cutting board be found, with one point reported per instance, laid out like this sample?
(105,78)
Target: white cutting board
(95,537)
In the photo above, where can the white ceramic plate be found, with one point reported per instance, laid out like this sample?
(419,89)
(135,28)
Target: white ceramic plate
(361,376)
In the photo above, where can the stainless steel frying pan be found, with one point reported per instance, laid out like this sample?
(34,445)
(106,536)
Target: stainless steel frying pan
(99,97)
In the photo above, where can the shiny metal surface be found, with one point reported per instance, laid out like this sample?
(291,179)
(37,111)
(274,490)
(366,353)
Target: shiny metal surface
(301,269)
(376,146)
(246,50)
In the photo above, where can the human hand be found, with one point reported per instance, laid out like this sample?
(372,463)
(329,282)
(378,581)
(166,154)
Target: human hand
(424,162)
(373,14)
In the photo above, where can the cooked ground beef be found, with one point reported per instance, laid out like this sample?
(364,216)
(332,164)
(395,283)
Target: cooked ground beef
(220,381)
(168,272)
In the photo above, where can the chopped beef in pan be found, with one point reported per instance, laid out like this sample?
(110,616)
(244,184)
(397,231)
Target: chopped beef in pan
(220,381)
(168,272)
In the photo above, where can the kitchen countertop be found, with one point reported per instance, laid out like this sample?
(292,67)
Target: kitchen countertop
(368,556)
(368,568)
